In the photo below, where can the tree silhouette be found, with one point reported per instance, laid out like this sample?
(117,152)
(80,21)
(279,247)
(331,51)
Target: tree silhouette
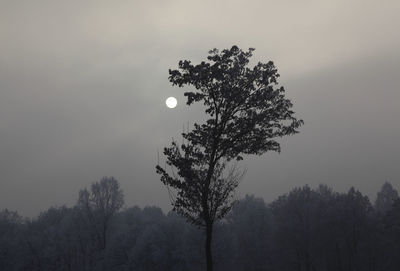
(385,198)
(305,229)
(246,112)
(100,204)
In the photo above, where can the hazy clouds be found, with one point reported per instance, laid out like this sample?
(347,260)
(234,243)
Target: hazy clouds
(83,84)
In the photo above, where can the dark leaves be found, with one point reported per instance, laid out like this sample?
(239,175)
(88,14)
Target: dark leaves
(247,112)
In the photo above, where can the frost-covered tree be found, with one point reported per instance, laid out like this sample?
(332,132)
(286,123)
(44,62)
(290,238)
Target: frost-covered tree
(99,205)
(385,198)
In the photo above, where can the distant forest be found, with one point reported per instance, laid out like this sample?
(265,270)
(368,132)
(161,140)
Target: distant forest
(303,230)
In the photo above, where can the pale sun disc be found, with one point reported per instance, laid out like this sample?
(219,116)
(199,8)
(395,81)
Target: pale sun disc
(171,102)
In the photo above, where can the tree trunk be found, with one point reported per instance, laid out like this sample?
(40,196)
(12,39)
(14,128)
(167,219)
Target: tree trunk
(104,235)
(209,228)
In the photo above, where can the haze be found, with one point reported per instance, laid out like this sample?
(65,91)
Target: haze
(83,88)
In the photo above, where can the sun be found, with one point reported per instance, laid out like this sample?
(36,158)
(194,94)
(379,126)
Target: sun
(171,102)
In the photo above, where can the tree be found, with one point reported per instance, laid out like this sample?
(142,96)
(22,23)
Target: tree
(10,245)
(391,237)
(100,205)
(296,217)
(250,227)
(246,113)
(385,198)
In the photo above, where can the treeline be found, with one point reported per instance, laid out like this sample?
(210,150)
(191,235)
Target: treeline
(303,230)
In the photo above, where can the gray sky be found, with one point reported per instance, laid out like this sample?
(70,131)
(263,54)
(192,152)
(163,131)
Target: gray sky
(83,85)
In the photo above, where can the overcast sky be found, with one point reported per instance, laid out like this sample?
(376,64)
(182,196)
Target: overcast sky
(83,87)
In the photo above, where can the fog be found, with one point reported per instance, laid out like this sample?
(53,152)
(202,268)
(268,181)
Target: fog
(83,89)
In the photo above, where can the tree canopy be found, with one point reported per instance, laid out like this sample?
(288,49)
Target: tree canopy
(247,113)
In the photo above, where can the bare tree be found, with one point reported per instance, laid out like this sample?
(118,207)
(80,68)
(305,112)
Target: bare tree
(385,198)
(99,205)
